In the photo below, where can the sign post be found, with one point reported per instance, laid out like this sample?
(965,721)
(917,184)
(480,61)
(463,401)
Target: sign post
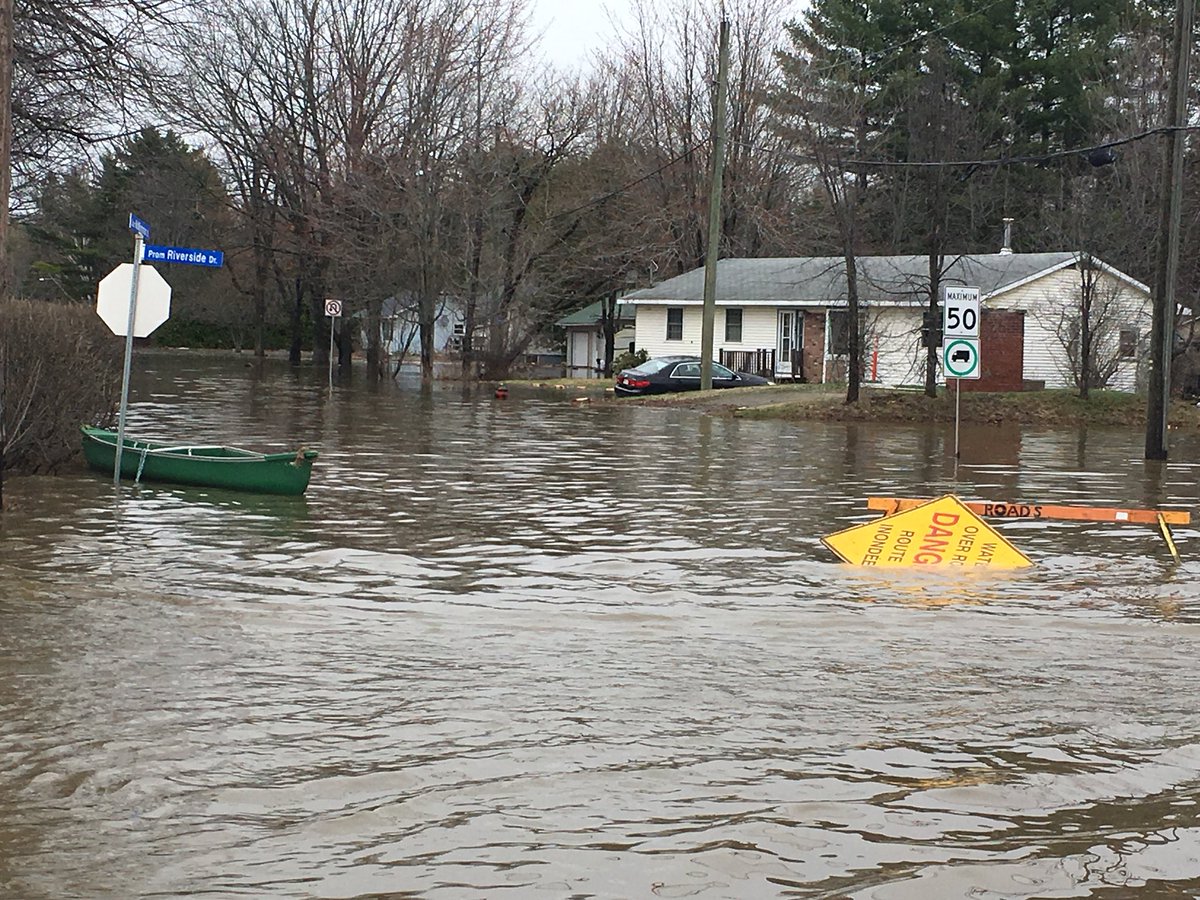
(960,341)
(141,232)
(333,309)
(134,301)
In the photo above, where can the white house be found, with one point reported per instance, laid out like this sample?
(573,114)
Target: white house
(398,326)
(786,317)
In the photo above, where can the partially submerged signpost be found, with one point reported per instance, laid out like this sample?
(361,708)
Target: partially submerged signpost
(1163,518)
(333,309)
(960,341)
(134,299)
(949,532)
(117,301)
(942,532)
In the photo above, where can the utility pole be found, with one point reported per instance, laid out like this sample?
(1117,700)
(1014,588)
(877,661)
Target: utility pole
(6,132)
(1162,331)
(714,214)
(6,72)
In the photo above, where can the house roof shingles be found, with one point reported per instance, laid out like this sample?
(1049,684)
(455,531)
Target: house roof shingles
(822,279)
(590,314)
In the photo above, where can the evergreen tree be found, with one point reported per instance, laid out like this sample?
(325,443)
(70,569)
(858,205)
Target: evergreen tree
(79,229)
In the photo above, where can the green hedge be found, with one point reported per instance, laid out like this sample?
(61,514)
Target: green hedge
(210,336)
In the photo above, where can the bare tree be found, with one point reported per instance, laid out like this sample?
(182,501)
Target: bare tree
(826,118)
(667,70)
(80,75)
(1100,330)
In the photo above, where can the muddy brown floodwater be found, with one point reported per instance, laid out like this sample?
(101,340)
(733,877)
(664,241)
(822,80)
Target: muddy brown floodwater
(536,648)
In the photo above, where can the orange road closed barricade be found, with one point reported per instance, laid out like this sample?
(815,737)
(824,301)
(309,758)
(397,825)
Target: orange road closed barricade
(891,505)
(942,532)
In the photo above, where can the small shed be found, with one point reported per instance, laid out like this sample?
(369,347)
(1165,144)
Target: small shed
(585,338)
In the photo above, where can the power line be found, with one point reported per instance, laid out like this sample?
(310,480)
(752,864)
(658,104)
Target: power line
(1089,151)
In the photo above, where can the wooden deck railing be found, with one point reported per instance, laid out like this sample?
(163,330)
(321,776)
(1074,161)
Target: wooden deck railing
(761,362)
(757,362)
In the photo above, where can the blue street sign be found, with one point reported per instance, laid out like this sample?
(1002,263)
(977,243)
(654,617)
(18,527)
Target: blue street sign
(188,256)
(136,224)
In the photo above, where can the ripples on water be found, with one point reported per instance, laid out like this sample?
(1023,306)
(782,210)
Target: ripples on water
(543,648)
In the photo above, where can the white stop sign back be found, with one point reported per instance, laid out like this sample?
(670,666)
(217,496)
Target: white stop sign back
(153,300)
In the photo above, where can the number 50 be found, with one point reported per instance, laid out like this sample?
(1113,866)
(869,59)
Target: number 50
(964,319)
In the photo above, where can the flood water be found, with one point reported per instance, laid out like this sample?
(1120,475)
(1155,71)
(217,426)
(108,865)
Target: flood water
(540,648)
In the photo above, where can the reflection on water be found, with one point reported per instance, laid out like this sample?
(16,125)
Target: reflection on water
(542,648)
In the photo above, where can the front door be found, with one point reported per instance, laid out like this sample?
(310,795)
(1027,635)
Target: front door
(787,349)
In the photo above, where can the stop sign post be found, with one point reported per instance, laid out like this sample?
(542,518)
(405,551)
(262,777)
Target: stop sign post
(132,300)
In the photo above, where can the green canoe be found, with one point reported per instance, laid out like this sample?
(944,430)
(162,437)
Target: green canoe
(221,467)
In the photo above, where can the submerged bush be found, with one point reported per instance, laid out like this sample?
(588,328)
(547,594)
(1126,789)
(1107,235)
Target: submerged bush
(60,367)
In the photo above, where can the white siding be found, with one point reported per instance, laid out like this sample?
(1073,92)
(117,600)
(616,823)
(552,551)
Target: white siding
(652,331)
(758,330)
(579,353)
(896,334)
(1050,302)
(759,326)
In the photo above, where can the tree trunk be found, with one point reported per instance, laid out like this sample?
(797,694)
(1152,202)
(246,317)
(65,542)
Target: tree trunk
(345,343)
(469,371)
(297,346)
(609,324)
(854,342)
(375,340)
(261,273)
(426,320)
(322,324)
(936,261)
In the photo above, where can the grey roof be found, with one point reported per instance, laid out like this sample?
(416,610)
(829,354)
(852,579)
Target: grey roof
(822,279)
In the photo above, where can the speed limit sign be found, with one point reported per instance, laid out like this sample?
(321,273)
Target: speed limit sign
(960,312)
(333,308)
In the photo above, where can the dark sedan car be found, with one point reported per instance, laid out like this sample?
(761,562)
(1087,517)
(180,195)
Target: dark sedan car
(665,374)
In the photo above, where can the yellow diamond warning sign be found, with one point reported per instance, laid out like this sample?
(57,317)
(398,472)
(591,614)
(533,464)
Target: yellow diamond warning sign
(942,532)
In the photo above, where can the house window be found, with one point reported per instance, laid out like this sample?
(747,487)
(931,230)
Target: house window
(839,333)
(1127,343)
(675,324)
(733,326)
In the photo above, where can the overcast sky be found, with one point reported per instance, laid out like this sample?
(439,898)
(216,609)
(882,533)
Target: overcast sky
(572,28)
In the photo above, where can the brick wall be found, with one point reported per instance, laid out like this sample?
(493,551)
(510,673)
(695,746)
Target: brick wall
(1001,351)
(814,345)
